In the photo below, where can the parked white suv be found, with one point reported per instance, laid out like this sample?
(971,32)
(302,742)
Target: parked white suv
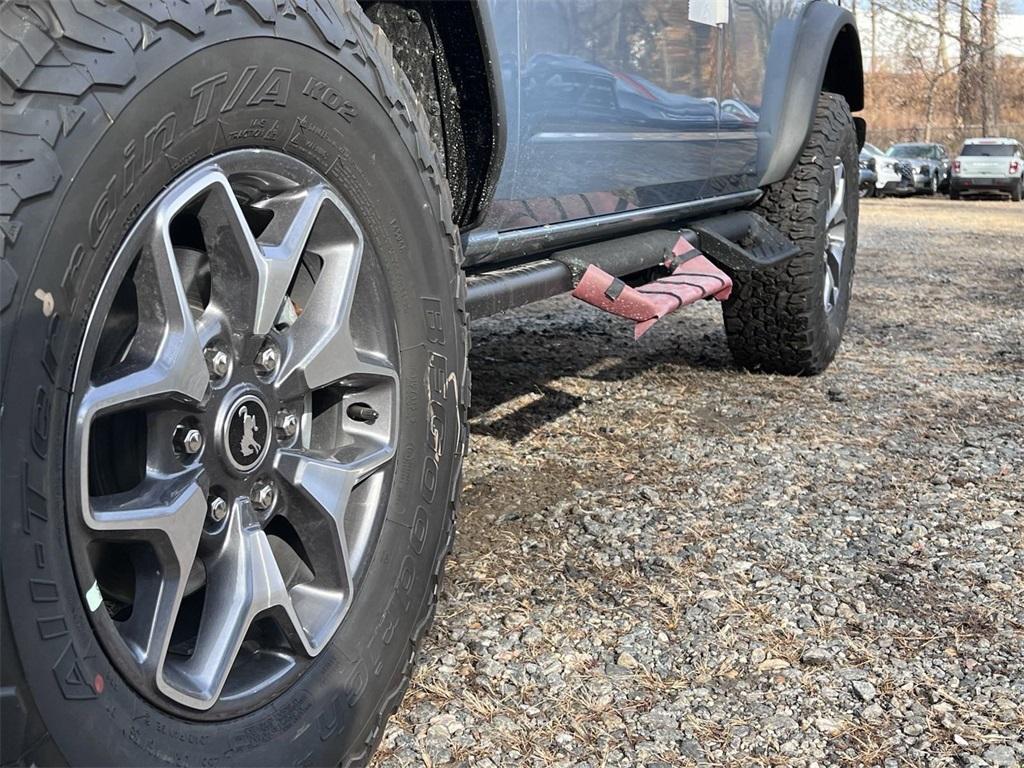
(989,165)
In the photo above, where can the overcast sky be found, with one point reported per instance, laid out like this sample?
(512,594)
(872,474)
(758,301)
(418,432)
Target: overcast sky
(892,31)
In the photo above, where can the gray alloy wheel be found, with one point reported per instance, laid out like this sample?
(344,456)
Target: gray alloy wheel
(835,238)
(235,415)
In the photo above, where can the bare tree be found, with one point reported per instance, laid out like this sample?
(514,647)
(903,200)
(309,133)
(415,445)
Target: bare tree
(966,94)
(987,65)
(941,17)
(874,35)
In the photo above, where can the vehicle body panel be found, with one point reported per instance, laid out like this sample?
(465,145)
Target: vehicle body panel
(604,114)
(614,106)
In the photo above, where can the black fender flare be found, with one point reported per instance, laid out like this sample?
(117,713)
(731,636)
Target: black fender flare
(817,50)
(499,120)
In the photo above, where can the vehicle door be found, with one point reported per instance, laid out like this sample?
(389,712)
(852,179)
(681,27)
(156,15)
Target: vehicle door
(755,56)
(612,106)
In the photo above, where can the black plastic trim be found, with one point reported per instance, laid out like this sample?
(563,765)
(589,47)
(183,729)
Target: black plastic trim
(744,241)
(499,120)
(819,49)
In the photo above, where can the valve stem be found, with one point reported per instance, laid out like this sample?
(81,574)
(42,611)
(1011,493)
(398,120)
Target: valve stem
(362,412)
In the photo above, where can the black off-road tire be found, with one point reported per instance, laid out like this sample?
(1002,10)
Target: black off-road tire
(776,320)
(1017,193)
(103,106)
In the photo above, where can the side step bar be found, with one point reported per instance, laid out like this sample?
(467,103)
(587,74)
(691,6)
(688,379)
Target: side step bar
(736,242)
(759,245)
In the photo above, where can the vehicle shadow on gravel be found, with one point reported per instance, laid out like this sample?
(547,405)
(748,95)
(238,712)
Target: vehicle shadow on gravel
(522,355)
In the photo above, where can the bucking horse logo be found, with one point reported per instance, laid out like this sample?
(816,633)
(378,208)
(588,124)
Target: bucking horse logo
(249,446)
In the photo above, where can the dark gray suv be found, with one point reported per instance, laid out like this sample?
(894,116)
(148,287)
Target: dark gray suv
(930,164)
(242,244)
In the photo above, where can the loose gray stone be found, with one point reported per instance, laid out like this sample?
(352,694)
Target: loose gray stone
(1000,756)
(816,656)
(865,691)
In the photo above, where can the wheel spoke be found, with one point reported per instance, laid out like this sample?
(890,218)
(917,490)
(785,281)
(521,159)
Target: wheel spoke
(319,347)
(251,278)
(255,276)
(173,369)
(284,241)
(247,284)
(327,485)
(239,271)
(244,580)
(167,337)
(836,204)
(173,527)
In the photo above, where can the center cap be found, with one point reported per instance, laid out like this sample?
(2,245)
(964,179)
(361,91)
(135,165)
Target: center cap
(247,433)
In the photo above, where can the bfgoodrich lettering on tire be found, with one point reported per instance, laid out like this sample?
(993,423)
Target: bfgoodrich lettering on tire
(233,383)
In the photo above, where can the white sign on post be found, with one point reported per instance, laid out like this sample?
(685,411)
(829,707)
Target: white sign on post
(711,12)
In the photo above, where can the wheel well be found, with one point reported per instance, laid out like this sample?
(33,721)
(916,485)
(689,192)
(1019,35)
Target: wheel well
(844,73)
(441,47)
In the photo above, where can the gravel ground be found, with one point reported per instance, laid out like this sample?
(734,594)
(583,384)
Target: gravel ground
(665,561)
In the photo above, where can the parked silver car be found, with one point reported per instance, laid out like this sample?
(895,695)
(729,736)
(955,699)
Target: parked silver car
(930,164)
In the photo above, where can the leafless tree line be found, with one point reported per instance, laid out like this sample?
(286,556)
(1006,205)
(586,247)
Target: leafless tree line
(945,65)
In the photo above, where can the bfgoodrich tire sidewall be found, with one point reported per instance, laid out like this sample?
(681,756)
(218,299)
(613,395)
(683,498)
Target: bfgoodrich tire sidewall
(93,715)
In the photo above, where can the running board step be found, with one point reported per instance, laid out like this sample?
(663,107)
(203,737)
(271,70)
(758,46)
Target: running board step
(735,242)
(762,246)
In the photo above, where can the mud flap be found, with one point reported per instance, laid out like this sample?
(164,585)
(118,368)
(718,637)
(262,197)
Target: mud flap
(693,278)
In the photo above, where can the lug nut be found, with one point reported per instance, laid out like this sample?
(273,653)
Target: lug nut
(362,412)
(218,508)
(287,423)
(267,360)
(217,362)
(188,440)
(263,495)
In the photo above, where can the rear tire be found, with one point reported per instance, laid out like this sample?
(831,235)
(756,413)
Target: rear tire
(790,319)
(954,194)
(106,105)
(1018,191)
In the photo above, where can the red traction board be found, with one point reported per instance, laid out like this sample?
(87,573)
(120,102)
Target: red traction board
(694,278)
